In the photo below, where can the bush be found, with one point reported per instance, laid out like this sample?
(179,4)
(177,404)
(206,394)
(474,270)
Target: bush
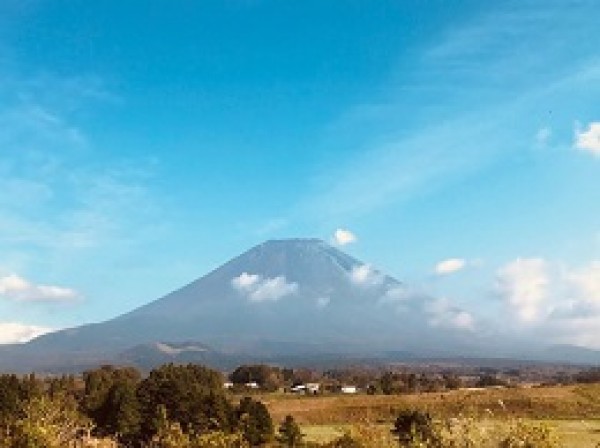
(413,426)
(345,441)
(48,423)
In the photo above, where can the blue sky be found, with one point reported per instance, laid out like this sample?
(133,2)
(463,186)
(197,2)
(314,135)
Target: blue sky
(143,143)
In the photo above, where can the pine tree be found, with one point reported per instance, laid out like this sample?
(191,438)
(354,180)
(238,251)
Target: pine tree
(289,433)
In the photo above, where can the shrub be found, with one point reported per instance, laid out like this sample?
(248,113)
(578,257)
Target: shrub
(413,426)
(345,441)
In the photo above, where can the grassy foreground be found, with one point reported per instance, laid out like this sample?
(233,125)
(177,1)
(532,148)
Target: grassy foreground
(553,403)
(572,412)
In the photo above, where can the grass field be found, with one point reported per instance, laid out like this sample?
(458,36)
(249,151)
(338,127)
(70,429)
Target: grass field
(564,402)
(572,411)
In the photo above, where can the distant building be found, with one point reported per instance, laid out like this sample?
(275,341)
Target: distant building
(313,388)
(349,389)
(228,385)
(252,385)
(308,388)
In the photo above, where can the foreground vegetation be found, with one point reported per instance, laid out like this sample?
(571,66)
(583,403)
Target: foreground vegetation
(187,406)
(174,406)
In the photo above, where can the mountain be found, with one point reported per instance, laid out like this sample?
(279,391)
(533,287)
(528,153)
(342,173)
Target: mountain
(283,298)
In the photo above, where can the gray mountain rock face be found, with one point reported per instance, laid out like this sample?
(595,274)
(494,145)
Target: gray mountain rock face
(302,292)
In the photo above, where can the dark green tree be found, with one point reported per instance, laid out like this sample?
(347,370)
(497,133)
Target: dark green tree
(191,395)
(289,432)
(11,397)
(122,412)
(63,385)
(390,383)
(254,422)
(110,400)
(267,377)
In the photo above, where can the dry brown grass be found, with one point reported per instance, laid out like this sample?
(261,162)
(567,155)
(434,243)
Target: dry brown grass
(564,402)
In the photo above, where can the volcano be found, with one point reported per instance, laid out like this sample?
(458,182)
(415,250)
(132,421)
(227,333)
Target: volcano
(282,298)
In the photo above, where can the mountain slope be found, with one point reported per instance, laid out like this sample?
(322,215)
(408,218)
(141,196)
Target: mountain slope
(300,291)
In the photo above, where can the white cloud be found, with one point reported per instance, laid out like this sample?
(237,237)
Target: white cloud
(259,289)
(273,289)
(443,314)
(342,237)
(245,281)
(365,275)
(559,302)
(14,332)
(589,140)
(450,266)
(523,283)
(17,288)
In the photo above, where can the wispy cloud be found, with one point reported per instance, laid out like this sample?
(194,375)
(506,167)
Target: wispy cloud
(58,197)
(14,287)
(449,143)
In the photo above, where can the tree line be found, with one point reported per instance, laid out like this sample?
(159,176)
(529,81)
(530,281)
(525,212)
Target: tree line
(116,405)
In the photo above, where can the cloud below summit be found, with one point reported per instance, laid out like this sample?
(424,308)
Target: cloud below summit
(259,289)
(365,275)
